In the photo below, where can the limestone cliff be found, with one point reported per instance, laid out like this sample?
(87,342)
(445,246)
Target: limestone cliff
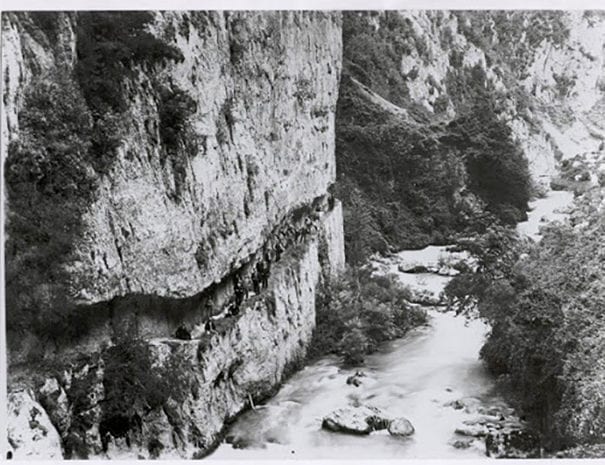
(197,203)
(264,118)
(170,204)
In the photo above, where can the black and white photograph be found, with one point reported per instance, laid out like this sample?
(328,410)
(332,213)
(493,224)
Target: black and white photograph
(316,234)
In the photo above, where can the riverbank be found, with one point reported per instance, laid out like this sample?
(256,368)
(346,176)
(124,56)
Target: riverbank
(546,312)
(432,376)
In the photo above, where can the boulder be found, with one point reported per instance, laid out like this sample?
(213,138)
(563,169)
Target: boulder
(53,398)
(496,411)
(484,420)
(462,443)
(356,379)
(469,404)
(30,431)
(448,271)
(400,427)
(414,269)
(356,420)
(476,431)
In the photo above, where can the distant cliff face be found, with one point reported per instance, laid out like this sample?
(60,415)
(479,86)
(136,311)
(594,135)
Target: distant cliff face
(433,93)
(548,64)
(169,201)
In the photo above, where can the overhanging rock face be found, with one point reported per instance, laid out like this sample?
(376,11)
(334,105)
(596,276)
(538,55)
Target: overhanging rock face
(265,87)
(207,380)
(265,119)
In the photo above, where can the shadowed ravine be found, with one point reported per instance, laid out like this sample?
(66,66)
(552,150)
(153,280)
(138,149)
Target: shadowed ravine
(416,377)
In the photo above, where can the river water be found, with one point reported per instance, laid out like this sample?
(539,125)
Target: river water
(416,377)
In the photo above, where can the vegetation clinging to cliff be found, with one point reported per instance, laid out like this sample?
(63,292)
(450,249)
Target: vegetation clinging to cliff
(512,37)
(49,180)
(108,45)
(498,171)
(71,123)
(372,49)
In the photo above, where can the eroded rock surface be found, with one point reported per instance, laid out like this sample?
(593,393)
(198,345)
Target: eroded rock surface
(31,434)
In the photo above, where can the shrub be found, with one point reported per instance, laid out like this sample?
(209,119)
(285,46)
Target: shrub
(175,109)
(358,311)
(179,141)
(49,180)
(108,45)
(304,91)
(134,386)
(563,84)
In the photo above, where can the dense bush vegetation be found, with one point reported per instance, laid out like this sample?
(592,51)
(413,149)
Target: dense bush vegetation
(133,386)
(396,183)
(373,54)
(498,171)
(545,307)
(108,46)
(357,312)
(179,141)
(48,180)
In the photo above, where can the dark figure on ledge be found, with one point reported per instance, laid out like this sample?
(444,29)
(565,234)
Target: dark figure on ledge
(238,290)
(183,333)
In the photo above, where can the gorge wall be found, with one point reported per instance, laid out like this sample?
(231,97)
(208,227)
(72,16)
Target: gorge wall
(167,221)
(429,93)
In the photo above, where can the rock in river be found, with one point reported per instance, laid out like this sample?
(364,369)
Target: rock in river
(462,443)
(364,420)
(356,420)
(401,427)
(473,431)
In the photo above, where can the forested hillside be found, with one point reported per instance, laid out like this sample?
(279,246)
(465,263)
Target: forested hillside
(426,150)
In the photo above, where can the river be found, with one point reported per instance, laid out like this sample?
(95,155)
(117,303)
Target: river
(417,376)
